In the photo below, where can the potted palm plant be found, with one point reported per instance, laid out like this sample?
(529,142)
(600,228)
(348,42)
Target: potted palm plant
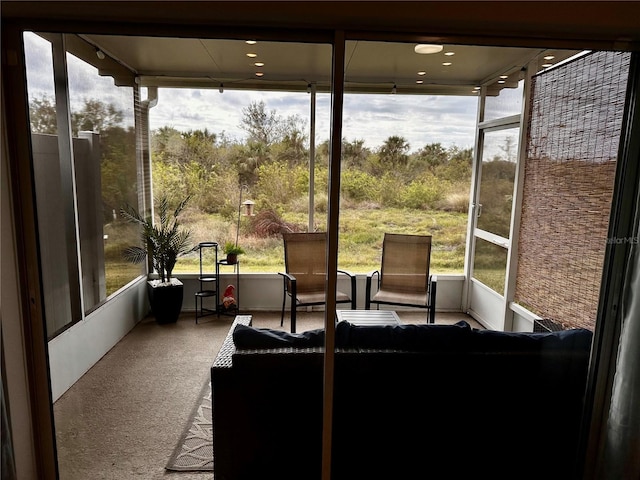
(162,243)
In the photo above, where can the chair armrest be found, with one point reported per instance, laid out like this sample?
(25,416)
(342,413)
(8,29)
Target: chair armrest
(367,290)
(292,281)
(353,287)
(288,276)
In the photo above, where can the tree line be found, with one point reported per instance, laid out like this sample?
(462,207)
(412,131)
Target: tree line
(272,161)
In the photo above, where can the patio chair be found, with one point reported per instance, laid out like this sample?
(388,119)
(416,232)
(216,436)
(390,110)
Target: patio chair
(404,277)
(304,281)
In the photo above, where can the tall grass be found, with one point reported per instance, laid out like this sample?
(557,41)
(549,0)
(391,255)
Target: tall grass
(360,238)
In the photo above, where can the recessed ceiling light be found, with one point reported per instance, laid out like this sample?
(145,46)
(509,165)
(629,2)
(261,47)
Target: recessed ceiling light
(259,64)
(446,64)
(419,81)
(250,42)
(476,88)
(502,81)
(259,74)
(546,65)
(448,54)
(504,76)
(426,49)
(549,57)
(252,55)
(422,73)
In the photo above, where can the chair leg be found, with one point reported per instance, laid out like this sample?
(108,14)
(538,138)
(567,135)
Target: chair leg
(284,299)
(354,293)
(293,317)
(432,302)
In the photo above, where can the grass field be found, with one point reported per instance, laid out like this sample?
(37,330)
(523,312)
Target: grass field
(361,234)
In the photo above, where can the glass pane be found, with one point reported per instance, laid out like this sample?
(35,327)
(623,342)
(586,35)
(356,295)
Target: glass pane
(234,143)
(490,265)
(102,122)
(506,103)
(499,157)
(406,155)
(48,183)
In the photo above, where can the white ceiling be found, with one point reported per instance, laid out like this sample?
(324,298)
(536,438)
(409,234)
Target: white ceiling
(369,66)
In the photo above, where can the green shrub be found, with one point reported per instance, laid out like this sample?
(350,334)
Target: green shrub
(423,193)
(278,184)
(358,185)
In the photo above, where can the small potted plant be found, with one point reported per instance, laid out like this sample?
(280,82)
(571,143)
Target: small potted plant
(232,251)
(162,243)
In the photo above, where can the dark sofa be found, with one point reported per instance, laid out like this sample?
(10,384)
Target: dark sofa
(410,401)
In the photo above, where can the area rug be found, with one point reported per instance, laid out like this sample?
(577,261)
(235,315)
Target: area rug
(194,451)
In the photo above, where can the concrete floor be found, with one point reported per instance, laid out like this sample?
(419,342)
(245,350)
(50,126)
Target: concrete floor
(123,418)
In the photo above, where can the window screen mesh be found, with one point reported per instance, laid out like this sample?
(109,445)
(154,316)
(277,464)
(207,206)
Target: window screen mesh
(574,131)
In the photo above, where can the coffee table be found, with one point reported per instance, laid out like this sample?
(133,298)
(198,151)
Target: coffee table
(368,317)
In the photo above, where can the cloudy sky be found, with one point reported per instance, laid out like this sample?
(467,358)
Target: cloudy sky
(421,120)
(373,118)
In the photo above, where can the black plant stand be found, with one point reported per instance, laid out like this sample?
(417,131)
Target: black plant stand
(209,283)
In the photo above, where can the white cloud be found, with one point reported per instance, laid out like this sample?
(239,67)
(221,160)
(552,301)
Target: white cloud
(372,118)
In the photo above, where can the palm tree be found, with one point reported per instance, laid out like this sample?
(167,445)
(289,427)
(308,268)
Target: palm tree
(162,242)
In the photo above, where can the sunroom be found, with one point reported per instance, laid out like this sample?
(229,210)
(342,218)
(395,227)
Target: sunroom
(542,180)
(534,253)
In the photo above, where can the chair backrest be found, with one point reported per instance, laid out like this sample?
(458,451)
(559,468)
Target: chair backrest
(305,257)
(405,262)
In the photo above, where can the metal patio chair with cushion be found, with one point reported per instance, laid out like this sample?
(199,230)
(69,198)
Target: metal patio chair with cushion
(404,277)
(305,256)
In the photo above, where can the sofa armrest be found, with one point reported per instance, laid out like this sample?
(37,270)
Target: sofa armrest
(224,359)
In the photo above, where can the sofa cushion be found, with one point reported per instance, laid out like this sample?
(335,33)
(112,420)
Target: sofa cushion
(251,338)
(578,339)
(410,338)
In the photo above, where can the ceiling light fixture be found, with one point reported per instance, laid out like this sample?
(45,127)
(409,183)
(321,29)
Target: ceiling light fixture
(504,76)
(100,54)
(502,81)
(446,64)
(419,82)
(394,89)
(259,64)
(221,89)
(549,57)
(422,73)
(546,65)
(252,55)
(250,42)
(448,54)
(259,74)
(426,49)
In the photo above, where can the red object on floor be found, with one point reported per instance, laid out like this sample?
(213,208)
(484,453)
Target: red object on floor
(228,298)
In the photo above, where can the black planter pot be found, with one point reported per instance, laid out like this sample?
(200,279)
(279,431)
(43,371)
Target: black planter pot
(165,300)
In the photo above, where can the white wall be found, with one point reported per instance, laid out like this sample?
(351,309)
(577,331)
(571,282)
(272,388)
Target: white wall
(263,291)
(77,349)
